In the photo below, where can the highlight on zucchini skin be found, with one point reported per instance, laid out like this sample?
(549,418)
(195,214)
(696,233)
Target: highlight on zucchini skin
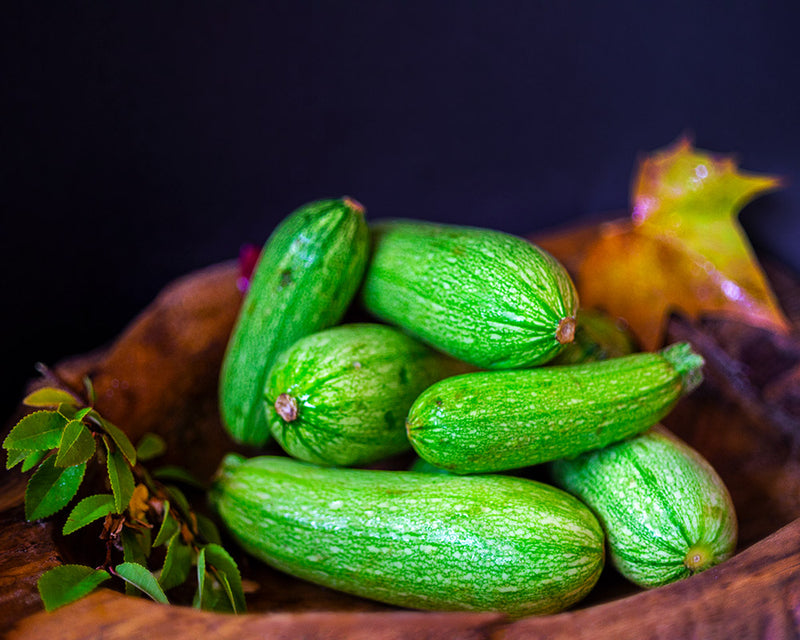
(666,512)
(488,298)
(499,420)
(340,396)
(420,540)
(308,273)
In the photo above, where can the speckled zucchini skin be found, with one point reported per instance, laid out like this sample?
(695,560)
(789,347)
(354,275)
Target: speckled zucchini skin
(499,420)
(487,298)
(307,275)
(666,512)
(340,396)
(421,540)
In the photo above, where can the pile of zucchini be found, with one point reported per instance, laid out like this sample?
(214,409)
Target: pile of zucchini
(479,359)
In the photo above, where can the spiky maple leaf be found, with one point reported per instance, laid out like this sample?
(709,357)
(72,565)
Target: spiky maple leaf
(682,249)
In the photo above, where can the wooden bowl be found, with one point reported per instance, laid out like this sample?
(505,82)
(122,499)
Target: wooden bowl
(160,375)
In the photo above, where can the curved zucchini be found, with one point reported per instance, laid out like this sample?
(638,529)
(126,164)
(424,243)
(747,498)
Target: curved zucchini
(666,512)
(422,540)
(307,275)
(488,298)
(499,420)
(340,396)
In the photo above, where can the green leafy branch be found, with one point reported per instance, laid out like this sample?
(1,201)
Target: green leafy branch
(140,513)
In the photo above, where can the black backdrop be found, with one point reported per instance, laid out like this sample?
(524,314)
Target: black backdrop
(143,140)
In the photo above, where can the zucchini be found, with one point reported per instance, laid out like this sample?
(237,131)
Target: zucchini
(499,420)
(421,540)
(340,396)
(666,512)
(309,270)
(598,336)
(423,466)
(488,298)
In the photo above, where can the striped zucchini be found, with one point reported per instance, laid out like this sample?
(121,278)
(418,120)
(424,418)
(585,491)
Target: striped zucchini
(488,298)
(498,420)
(666,512)
(309,270)
(421,540)
(340,396)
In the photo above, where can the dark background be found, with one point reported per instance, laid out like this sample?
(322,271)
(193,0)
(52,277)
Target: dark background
(141,141)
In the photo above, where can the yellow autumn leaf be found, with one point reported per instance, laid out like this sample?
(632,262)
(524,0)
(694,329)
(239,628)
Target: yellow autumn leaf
(682,249)
(139,505)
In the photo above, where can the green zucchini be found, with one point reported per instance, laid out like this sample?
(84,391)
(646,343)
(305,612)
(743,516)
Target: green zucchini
(499,420)
(666,512)
(340,396)
(421,540)
(598,336)
(485,297)
(309,270)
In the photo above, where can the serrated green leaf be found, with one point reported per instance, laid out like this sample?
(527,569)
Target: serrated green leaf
(121,479)
(51,488)
(34,458)
(169,527)
(211,592)
(135,548)
(207,529)
(178,499)
(66,410)
(36,431)
(67,583)
(172,473)
(212,596)
(132,550)
(177,564)
(28,458)
(15,456)
(150,446)
(227,572)
(227,602)
(77,445)
(120,439)
(88,510)
(82,413)
(201,579)
(142,579)
(50,397)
